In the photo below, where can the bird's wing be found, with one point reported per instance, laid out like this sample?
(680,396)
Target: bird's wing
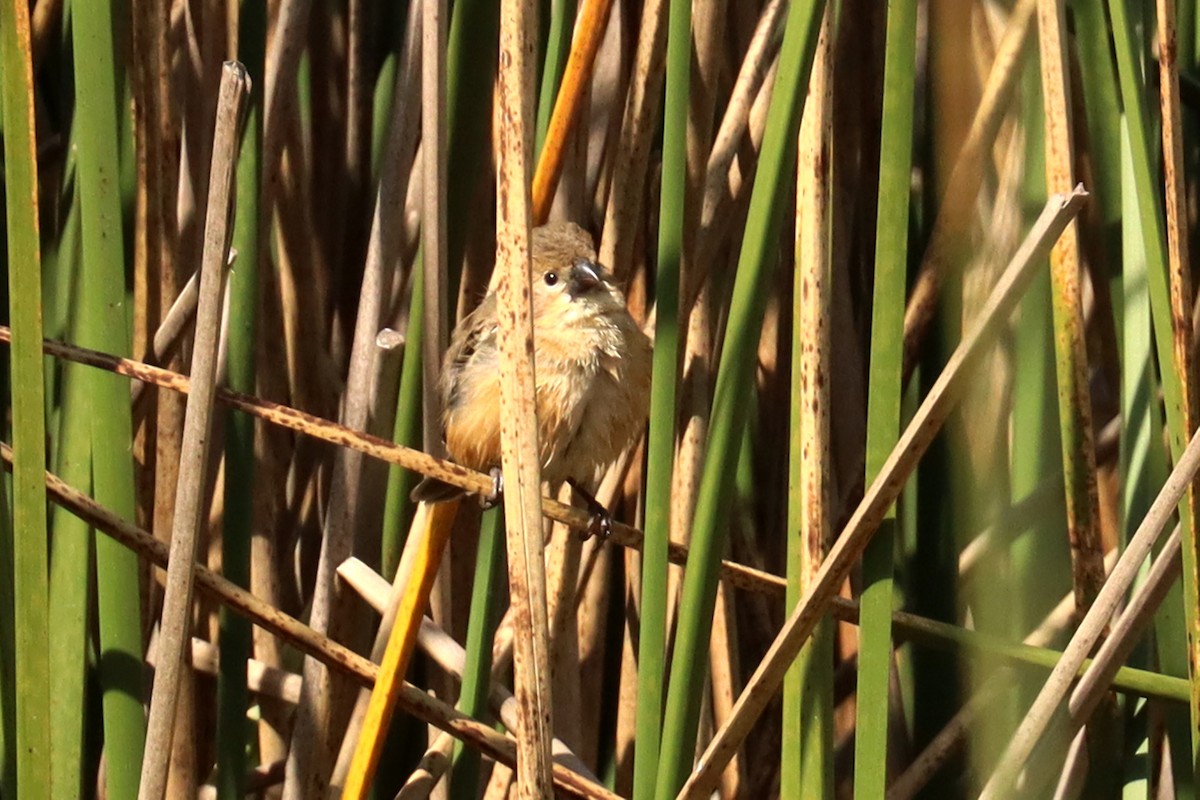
(478,334)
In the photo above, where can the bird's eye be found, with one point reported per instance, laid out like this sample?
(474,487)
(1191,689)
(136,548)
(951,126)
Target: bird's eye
(551,278)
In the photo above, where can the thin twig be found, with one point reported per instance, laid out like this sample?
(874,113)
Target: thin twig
(261,678)
(735,574)
(189,496)
(1126,631)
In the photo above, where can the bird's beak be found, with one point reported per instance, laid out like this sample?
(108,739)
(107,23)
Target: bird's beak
(583,278)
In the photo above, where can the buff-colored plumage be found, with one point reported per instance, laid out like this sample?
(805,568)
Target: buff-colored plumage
(591,362)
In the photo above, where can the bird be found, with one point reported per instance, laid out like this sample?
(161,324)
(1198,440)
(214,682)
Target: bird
(592,367)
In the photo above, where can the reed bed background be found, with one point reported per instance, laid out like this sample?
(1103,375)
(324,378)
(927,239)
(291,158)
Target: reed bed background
(918,444)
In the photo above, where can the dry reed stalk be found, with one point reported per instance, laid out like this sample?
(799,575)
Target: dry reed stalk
(154,216)
(809,736)
(564,550)
(303,286)
(591,621)
(164,344)
(881,494)
(1127,629)
(188,508)
(432,766)
(723,185)
(567,579)
(397,197)
(723,675)
(626,731)
(434,250)
(356,153)
(264,680)
(322,718)
(752,80)
(145,260)
(501,784)
(1078,446)
(518,412)
(623,214)
(957,203)
(1181,298)
(401,639)
(590,27)
(284,46)
(270,545)
(696,374)
(571,198)
(288,218)
(434,21)
(1092,689)
(266,583)
(178,202)
(730,206)
(609,86)
(591,603)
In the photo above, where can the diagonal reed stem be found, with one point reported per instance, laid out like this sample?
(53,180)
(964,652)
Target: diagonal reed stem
(176,624)
(1055,689)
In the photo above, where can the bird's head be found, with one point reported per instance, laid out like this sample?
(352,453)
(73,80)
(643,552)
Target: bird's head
(568,284)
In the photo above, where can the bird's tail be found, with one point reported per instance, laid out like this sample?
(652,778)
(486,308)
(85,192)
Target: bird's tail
(432,490)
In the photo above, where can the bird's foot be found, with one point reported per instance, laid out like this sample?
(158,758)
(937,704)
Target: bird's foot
(600,522)
(496,496)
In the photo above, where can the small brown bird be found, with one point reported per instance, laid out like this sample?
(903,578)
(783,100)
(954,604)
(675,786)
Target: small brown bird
(592,367)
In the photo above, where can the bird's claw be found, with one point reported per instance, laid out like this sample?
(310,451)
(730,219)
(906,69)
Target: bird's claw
(599,525)
(493,498)
(600,520)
